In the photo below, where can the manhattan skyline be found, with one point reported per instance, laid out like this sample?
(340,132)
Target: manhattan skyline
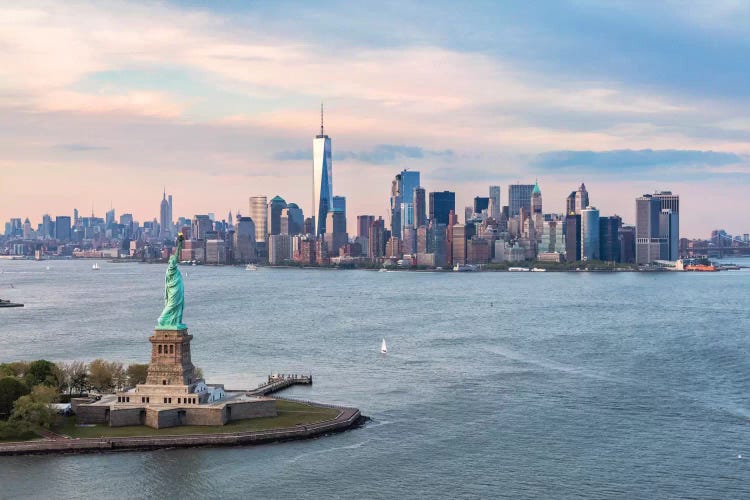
(95,116)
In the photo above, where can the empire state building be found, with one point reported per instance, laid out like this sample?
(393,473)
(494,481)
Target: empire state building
(322,178)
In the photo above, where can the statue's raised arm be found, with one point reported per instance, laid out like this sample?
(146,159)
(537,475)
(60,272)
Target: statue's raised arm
(174,293)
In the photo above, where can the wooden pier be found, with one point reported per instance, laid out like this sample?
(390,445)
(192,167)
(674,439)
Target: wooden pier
(278,382)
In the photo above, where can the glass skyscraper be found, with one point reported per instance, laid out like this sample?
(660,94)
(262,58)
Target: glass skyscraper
(590,233)
(322,178)
(519,196)
(441,204)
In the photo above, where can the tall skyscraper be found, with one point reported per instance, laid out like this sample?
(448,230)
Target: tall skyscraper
(570,203)
(609,238)
(244,240)
(402,201)
(481,203)
(338,204)
(259,214)
(62,228)
(275,206)
(441,204)
(164,222)
(573,237)
(536,199)
(669,235)
(420,207)
(647,245)
(494,207)
(519,197)
(581,198)
(296,219)
(322,178)
(590,233)
(376,239)
(363,225)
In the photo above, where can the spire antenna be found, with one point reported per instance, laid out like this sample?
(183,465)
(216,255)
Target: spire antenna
(321,118)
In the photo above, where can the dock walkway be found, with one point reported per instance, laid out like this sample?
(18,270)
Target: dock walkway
(277,383)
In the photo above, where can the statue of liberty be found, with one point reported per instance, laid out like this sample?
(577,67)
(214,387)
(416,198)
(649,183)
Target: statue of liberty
(174,293)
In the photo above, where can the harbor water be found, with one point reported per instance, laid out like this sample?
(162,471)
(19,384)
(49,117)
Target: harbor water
(495,385)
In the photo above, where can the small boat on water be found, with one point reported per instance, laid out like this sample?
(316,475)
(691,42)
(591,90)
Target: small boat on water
(383,347)
(518,269)
(538,270)
(464,268)
(95,267)
(8,303)
(251,267)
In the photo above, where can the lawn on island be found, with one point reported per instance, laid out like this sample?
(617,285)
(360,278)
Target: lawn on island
(290,413)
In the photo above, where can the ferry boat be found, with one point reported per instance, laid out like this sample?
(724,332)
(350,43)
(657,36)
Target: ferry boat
(701,268)
(518,269)
(539,270)
(251,267)
(463,268)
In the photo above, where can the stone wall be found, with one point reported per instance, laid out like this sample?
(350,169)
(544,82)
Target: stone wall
(120,417)
(161,418)
(211,415)
(251,409)
(92,414)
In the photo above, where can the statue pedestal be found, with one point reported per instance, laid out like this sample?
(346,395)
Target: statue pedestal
(170,358)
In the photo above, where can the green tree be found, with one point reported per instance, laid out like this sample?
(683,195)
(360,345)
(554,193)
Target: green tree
(137,374)
(78,374)
(14,369)
(41,372)
(100,375)
(34,409)
(11,389)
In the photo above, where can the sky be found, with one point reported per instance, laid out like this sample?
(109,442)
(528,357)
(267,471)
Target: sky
(103,104)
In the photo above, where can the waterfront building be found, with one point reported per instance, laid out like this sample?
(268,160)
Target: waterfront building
(573,237)
(442,203)
(590,234)
(478,250)
(519,197)
(376,239)
(551,238)
(627,244)
(259,214)
(609,238)
(215,252)
(459,243)
(420,207)
(647,244)
(244,240)
(494,207)
(669,231)
(275,206)
(322,178)
(279,248)
(336,236)
(393,248)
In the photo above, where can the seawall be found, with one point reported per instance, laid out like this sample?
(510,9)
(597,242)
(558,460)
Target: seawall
(347,418)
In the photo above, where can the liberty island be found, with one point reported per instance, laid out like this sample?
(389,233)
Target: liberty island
(173,395)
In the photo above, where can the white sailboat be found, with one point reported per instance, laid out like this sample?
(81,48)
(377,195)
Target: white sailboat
(95,267)
(383,347)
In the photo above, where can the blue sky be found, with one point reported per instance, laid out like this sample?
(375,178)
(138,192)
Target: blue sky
(219,101)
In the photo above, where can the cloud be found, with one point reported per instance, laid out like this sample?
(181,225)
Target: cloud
(381,154)
(627,160)
(80,147)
